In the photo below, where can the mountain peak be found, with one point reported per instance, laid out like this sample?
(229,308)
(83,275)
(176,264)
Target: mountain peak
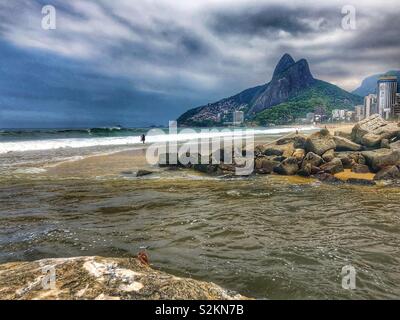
(285,62)
(291,84)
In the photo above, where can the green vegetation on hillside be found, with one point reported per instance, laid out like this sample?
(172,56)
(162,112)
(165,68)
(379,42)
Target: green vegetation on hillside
(322,94)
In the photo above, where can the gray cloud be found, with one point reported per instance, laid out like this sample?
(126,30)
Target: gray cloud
(270,20)
(200,51)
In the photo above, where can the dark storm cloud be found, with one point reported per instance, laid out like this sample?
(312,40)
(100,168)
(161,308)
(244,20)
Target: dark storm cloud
(157,59)
(382,31)
(267,20)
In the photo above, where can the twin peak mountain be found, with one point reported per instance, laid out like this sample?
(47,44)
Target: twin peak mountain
(290,95)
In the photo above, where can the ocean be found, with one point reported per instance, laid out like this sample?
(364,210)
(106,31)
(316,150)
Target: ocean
(66,193)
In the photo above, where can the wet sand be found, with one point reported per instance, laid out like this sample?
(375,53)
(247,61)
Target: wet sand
(102,165)
(113,164)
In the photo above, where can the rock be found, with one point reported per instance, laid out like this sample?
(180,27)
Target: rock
(359,168)
(265,165)
(299,154)
(343,144)
(312,159)
(320,142)
(363,182)
(350,158)
(371,140)
(308,170)
(385,144)
(388,173)
(305,171)
(326,177)
(343,134)
(381,158)
(345,158)
(279,158)
(271,151)
(285,150)
(329,155)
(96,278)
(287,167)
(372,130)
(333,167)
(206,168)
(226,167)
(357,157)
(142,173)
(298,140)
(395,145)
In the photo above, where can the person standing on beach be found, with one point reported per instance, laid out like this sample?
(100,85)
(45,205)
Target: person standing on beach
(143,138)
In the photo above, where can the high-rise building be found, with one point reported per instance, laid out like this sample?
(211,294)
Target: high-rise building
(370,105)
(387,89)
(396,107)
(359,112)
(339,114)
(238,117)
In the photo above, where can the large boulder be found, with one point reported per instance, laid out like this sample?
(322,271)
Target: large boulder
(333,167)
(206,168)
(298,140)
(371,140)
(343,134)
(372,130)
(349,159)
(320,142)
(395,145)
(329,155)
(312,159)
(226,168)
(98,278)
(359,168)
(308,170)
(388,173)
(299,154)
(343,144)
(142,173)
(385,143)
(285,150)
(288,167)
(381,158)
(265,165)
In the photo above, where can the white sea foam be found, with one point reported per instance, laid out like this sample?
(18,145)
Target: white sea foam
(154,136)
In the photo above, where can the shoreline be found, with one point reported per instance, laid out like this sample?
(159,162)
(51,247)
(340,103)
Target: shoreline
(194,221)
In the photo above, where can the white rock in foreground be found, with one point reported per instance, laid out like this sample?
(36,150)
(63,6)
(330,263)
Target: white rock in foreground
(101,279)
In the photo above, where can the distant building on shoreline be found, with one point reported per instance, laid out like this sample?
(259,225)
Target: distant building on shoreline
(339,114)
(238,117)
(396,107)
(387,89)
(370,105)
(359,113)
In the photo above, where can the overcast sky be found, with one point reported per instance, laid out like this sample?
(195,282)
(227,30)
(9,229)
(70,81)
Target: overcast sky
(145,62)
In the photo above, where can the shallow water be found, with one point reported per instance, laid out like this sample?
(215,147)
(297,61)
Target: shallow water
(265,237)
